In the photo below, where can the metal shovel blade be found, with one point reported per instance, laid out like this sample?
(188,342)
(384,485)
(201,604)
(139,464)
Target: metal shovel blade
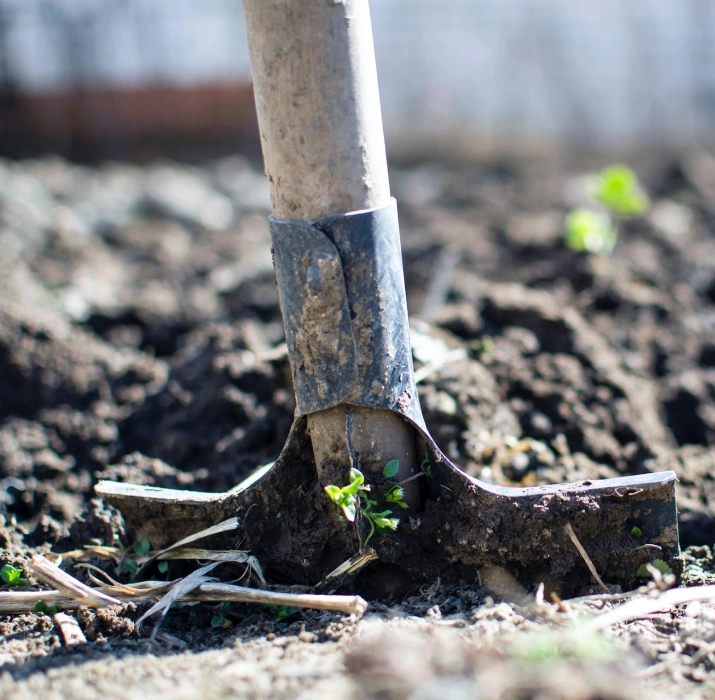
(463,527)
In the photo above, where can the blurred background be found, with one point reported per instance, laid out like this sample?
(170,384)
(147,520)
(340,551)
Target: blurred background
(136,79)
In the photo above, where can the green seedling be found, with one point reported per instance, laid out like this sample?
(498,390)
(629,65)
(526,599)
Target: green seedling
(657,564)
(636,531)
(130,567)
(347,496)
(282,612)
(426,466)
(142,548)
(396,495)
(12,575)
(354,497)
(163,566)
(43,608)
(617,190)
(219,620)
(590,232)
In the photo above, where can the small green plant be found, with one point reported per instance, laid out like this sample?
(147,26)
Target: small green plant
(396,495)
(636,531)
(354,497)
(657,564)
(43,608)
(617,190)
(219,620)
(142,548)
(282,612)
(426,466)
(12,575)
(163,566)
(590,232)
(130,567)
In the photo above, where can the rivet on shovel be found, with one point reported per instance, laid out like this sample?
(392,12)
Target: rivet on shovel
(338,265)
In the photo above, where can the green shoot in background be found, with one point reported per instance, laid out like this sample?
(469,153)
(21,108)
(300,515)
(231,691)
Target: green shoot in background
(618,191)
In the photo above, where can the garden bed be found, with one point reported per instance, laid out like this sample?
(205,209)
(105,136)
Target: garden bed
(141,341)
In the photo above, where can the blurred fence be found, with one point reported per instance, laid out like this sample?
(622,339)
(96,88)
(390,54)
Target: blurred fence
(106,75)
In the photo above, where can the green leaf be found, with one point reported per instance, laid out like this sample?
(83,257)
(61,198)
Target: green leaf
(391,468)
(131,567)
(636,531)
(163,566)
(11,575)
(142,548)
(281,612)
(42,607)
(349,510)
(356,476)
(395,494)
(426,466)
(658,564)
(590,232)
(357,479)
(335,493)
(217,621)
(617,189)
(383,524)
(383,514)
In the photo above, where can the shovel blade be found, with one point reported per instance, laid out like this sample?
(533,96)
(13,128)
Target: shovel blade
(464,527)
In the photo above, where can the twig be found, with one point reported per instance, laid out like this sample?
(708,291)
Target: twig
(605,597)
(586,558)
(636,609)
(225,526)
(350,604)
(182,587)
(69,629)
(44,570)
(410,478)
(25,601)
(350,566)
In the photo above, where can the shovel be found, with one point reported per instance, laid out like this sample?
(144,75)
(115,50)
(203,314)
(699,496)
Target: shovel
(358,423)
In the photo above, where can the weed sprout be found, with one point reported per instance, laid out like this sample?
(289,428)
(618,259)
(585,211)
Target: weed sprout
(618,193)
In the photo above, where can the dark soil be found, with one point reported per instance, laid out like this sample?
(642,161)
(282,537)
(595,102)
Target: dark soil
(141,341)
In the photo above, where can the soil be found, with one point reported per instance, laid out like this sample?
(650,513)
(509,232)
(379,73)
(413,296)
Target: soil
(141,341)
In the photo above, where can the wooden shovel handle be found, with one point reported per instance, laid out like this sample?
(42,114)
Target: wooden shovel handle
(315,83)
(318,104)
